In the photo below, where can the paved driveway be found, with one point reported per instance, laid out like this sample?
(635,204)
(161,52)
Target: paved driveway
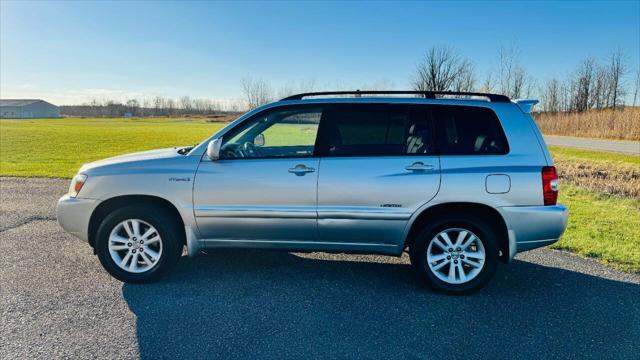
(56,301)
(625,147)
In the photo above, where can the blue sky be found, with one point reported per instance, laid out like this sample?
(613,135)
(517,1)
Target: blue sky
(70,52)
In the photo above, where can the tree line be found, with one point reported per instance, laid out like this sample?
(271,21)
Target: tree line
(591,85)
(157,106)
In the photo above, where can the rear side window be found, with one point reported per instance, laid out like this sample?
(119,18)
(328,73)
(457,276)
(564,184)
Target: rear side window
(468,130)
(377,130)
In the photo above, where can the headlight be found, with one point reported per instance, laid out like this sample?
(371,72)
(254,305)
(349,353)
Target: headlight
(76,184)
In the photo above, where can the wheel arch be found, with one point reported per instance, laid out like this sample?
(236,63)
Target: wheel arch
(484,212)
(109,205)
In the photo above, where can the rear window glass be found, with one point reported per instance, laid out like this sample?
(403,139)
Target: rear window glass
(383,130)
(364,130)
(468,130)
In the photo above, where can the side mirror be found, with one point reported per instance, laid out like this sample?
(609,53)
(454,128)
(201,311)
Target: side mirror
(213,149)
(258,140)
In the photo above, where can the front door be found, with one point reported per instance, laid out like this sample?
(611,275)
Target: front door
(263,188)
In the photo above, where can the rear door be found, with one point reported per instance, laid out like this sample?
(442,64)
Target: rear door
(378,166)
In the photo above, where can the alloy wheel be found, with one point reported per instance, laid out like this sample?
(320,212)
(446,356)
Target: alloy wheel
(135,245)
(456,255)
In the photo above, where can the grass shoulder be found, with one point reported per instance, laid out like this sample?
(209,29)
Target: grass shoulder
(606,228)
(590,155)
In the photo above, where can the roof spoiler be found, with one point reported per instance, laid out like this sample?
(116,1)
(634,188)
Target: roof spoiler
(526,105)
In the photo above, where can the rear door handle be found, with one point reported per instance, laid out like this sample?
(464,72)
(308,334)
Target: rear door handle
(301,169)
(419,166)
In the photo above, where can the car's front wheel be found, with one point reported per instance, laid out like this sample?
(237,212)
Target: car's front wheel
(455,255)
(138,243)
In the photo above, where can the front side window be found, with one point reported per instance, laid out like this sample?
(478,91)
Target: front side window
(282,132)
(377,130)
(468,130)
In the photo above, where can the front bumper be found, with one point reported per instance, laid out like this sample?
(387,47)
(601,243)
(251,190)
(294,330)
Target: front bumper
(532,227)
(73,215)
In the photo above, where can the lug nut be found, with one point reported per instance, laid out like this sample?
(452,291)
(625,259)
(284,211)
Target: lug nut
(129,244)
(461,256)
(454,261)
(141,241)
(133,251)
(134,238)
(450,250)
(458,249)
(448,257)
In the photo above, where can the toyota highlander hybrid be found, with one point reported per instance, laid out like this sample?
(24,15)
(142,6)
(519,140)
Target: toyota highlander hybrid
(461,181)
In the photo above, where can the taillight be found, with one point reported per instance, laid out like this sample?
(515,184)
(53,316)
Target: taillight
(550,185)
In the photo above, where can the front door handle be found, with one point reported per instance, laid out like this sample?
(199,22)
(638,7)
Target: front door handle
(301,169)
(419,166)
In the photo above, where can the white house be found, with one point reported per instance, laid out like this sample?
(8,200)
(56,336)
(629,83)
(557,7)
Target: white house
(27,109)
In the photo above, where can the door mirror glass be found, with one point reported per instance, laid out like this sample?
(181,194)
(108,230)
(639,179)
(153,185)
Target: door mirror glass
(213,149)
(259,140)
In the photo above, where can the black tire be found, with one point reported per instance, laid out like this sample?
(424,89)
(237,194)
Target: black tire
(165,224)
(488,238)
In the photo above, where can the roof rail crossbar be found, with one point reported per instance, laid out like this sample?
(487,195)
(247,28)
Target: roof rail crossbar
(425,94)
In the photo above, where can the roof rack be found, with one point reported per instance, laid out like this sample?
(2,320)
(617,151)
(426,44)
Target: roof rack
(425,94)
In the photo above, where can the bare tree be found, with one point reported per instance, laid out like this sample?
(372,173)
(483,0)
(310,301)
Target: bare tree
(256,92)
(565,96)
(286,90)
(378,85)
(551,96)
(522,84)
(487,84)
(466,79)
(637,88)
(184,103)
(601,90)
(441,70)
(303,86)
(506,65)
(171,107)
(617,70)
(132,106)
(513,80)
(582,86)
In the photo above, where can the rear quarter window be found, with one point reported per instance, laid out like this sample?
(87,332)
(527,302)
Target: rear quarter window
(468,130)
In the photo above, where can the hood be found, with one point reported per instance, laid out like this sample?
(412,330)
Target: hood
(133,158)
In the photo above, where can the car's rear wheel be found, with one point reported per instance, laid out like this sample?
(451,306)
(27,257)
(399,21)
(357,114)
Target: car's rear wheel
(455,255)
(138,243)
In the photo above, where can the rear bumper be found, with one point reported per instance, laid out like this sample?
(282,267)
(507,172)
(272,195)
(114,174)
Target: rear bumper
(532,227)
(73,215)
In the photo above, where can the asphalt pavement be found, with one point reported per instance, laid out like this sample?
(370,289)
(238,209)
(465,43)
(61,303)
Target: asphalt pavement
(56,301)
(624,147)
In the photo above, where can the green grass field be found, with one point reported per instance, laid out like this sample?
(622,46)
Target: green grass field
(58,147)
(606,228)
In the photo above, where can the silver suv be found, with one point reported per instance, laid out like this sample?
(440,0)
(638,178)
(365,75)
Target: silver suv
(461,182)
